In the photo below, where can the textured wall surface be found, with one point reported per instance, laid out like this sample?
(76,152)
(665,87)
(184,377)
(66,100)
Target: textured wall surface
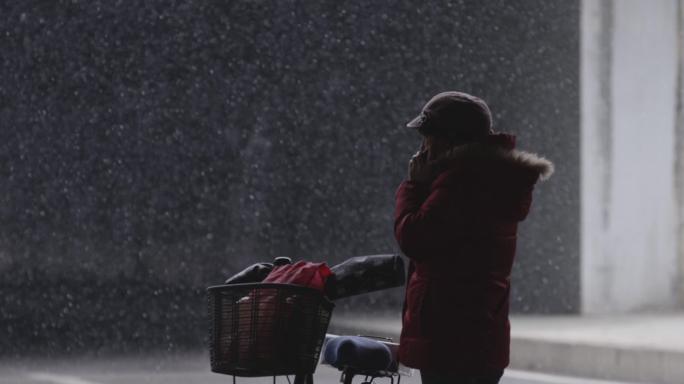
(175,142)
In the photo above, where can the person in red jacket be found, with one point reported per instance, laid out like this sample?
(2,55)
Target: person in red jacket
(456,220)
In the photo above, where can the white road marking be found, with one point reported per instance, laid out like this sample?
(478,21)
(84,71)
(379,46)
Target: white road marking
(533,377)
(59,379)
(553,379)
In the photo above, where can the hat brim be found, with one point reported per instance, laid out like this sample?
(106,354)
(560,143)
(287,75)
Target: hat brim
(417,122)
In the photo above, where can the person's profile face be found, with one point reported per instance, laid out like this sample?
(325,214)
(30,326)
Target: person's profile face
(435,146)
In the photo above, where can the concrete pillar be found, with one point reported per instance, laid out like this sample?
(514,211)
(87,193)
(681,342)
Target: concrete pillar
(629,66)
(679,149)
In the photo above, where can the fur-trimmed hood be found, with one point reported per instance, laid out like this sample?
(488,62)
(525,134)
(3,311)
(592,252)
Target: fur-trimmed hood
(498,148)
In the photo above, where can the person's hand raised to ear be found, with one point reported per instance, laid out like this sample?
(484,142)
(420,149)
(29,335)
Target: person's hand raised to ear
(419,169)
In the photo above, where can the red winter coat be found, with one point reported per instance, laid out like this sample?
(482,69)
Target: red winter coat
(459,233)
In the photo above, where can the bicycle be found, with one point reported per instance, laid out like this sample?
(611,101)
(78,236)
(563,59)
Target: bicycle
(266,329)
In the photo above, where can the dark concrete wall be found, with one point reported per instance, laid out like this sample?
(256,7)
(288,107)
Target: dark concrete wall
(175,142)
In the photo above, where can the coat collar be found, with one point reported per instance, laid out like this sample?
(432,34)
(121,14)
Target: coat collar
(498,147)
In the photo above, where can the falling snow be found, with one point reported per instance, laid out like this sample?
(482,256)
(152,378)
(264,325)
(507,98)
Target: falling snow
(149,149)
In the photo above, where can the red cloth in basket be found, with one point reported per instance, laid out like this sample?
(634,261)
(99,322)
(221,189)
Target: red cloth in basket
(268,343)
(312,275)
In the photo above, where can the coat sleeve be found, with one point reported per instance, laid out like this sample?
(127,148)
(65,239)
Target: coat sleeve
(420,219)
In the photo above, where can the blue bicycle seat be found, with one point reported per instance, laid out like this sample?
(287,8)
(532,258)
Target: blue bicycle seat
(357,352)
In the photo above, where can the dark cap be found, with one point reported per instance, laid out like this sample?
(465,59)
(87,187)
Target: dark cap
(455,115)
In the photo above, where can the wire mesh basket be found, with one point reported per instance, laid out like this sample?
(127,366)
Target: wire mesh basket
(266,329)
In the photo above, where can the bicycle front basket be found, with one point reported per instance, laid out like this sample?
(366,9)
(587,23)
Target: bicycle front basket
(266,329)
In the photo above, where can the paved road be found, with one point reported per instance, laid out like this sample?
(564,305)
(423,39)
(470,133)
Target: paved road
(187,369)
